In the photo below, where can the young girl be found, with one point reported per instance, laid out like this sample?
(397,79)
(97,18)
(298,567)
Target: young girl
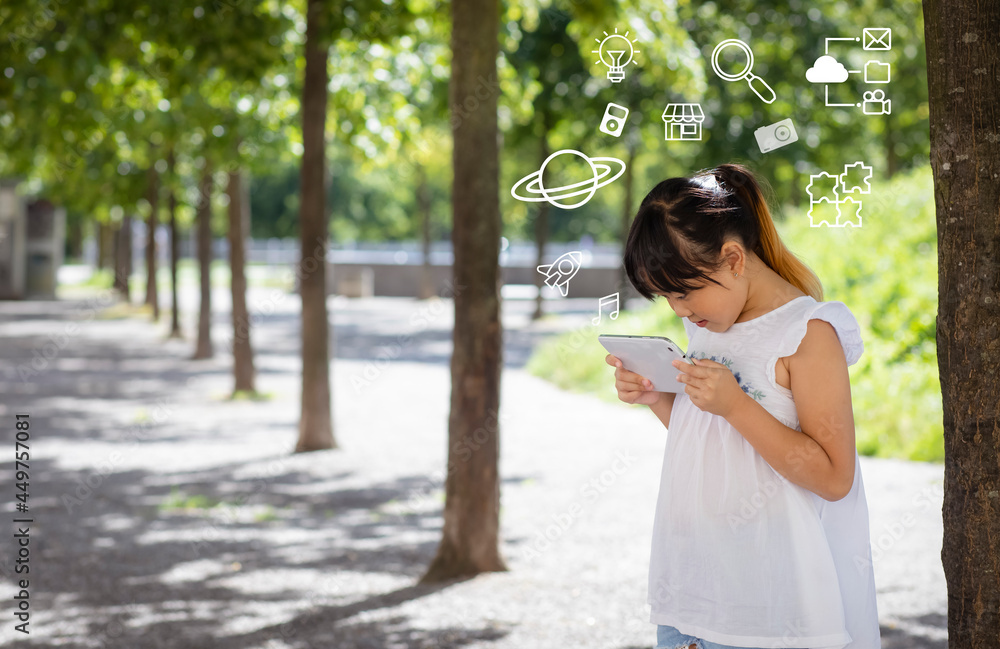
(760,537)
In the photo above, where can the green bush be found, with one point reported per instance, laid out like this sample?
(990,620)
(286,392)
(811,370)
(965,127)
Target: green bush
(884,271)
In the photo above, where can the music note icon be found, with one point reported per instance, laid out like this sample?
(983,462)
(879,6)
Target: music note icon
(607,299)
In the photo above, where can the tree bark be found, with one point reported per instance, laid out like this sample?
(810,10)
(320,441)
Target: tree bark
(153,196)
(203,349)
(175,325)
(243,370)
(469,543)
(315,421)
(123,259)
(962,71)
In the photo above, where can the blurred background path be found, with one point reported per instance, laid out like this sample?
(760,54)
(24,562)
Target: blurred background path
(167,516)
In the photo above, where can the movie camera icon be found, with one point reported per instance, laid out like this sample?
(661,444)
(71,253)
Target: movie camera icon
(875,103)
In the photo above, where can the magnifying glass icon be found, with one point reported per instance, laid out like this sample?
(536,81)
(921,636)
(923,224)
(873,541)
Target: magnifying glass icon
(758,85)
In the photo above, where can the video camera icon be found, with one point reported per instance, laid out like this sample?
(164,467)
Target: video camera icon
(875,103)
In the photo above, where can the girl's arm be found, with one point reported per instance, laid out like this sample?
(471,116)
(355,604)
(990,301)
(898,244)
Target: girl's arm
(820,457)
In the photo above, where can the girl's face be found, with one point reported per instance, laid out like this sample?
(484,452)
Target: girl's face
(711,306)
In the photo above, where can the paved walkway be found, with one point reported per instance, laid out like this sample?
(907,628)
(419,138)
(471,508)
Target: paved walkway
(323,549)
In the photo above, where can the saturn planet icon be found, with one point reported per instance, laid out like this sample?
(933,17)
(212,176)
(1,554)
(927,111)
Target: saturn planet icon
(535,190)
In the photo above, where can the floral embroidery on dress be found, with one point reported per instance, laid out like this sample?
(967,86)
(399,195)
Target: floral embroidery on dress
(744,385)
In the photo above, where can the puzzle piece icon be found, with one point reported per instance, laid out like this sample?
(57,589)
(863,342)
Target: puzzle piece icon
(823,186)
(849,213)
(853,177)
(823,212)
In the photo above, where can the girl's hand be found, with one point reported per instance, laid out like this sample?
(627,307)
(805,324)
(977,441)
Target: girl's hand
(711,386)
(631,387)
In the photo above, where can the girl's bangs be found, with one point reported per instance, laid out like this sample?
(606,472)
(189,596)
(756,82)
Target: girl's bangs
(653,262)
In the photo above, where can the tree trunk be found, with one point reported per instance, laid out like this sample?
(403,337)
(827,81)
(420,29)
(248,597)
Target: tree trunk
(203,349)
(469,543)
(153,196)
(962,56)
(243,371)
(123,258)
(175,325)
(105,246)
(316,421)
(541,232)
(427,288)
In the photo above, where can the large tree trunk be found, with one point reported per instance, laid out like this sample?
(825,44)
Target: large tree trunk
(243,371)
(962,70)
(123,258)
(315,422)
(175,325)
(203,349)
(469,543)
(153,196)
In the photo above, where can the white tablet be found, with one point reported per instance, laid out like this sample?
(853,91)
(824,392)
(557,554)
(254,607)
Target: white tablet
(648,356)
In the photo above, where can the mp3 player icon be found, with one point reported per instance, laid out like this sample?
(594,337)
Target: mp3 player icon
(614,119)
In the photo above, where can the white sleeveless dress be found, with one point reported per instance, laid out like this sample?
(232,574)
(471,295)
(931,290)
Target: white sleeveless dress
(740,555)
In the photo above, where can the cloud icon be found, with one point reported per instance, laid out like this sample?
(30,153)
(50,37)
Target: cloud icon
(826,69)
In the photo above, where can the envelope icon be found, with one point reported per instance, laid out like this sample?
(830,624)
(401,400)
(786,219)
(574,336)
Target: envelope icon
(876,38)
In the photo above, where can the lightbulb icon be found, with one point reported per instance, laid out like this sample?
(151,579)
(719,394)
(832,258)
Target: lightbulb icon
(615,51)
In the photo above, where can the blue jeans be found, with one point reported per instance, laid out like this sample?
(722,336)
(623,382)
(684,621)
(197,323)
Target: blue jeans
(667,637)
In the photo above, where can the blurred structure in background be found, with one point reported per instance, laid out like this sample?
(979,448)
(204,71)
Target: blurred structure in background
(32,235)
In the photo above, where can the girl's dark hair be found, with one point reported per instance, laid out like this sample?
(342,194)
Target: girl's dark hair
(677,234)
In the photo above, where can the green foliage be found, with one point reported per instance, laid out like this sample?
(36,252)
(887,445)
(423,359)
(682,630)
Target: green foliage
(123,86)
(885,272)
(274,203)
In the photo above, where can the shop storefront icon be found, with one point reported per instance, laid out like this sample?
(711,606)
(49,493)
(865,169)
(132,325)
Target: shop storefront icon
(683,121)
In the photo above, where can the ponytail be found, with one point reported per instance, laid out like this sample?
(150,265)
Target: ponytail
(769,247)
(674,242)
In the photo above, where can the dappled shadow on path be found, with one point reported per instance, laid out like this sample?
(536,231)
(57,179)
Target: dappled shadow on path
(240,551)
(269,561)
(907,638)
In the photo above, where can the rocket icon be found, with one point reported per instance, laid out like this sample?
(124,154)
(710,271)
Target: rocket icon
(559,272)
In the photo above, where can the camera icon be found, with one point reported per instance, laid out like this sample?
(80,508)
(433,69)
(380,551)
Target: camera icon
(776,135)
(614,119)
(875,103)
